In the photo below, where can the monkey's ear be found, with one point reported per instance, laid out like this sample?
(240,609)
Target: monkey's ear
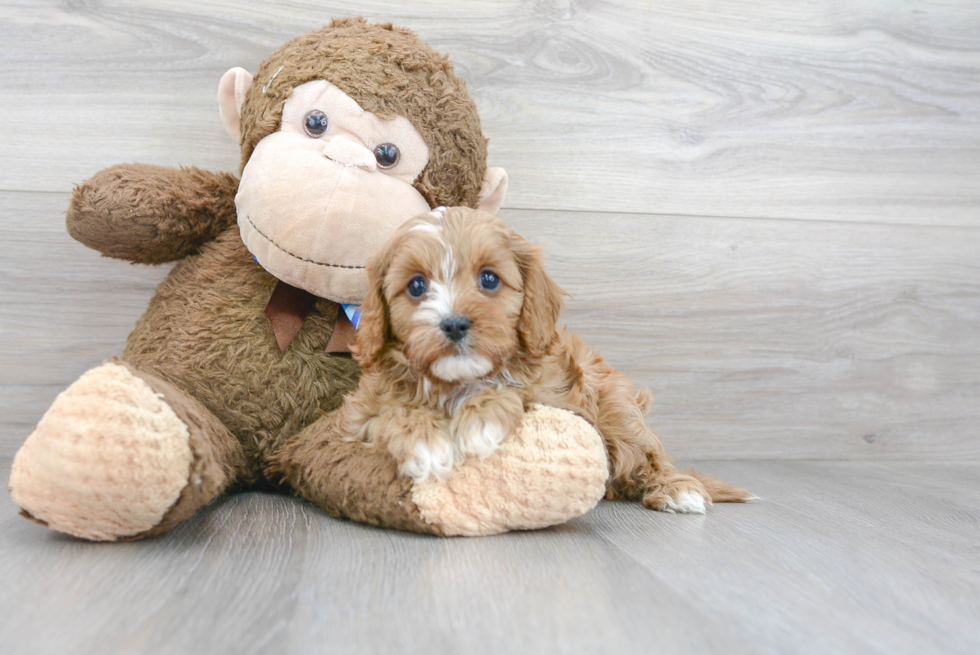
(493,190)
(231,94)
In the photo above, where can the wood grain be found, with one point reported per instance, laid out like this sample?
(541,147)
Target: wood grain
(887,547)
(63,308)
(857,112)
(839,557)
(759,338)
(662,153)
(785,339)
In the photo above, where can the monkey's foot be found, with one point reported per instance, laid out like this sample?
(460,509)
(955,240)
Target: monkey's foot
(107,460)
(551,469)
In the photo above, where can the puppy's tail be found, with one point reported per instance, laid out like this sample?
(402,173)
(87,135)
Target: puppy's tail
(722,492)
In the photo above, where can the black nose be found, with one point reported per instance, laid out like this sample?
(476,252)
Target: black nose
(456,327)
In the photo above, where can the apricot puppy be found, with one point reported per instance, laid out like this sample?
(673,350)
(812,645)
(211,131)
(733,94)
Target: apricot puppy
(458,336)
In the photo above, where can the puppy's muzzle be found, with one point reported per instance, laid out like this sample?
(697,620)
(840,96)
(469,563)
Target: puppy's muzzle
(456,327)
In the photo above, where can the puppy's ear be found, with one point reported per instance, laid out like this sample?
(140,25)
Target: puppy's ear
(543,299)
(373,331)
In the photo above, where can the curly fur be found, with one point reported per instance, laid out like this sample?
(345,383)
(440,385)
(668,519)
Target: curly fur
(205,332)
(407,403)
(254,415)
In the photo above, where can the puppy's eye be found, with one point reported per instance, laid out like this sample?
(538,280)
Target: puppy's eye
(316,123)
(489,281)
(387,155)
(417,287)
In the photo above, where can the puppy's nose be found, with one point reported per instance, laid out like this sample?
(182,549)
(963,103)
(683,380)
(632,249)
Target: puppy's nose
(456,327)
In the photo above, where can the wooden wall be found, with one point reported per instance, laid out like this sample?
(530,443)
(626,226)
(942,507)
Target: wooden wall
(767,212)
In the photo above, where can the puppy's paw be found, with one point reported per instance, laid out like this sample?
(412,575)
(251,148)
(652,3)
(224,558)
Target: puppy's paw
(418,439)
(482,423)
(683,496)
(479,437)
(430,457)
(683,502)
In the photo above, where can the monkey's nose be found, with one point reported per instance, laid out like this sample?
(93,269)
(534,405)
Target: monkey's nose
(346,152)
(456,327)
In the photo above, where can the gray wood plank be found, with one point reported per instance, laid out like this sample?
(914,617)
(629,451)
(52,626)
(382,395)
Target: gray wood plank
(570,591)
(860,112)
(63,308)
(838,557)
(260,572)
(781,339)
(786,339)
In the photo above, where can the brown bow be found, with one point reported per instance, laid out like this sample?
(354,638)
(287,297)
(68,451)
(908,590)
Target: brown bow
(287,310)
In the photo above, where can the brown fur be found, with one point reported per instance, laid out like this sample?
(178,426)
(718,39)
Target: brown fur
(205,333)
(217,457)
(348,480)
(151,214)
(403,400)
(389,72)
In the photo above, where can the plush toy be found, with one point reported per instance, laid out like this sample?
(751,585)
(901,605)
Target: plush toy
(345,133)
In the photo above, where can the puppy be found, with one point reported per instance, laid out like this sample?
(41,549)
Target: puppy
(458,337)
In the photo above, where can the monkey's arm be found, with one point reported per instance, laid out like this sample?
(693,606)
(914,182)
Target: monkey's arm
(151,214)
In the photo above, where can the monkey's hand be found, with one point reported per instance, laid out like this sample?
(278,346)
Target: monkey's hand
(151,214)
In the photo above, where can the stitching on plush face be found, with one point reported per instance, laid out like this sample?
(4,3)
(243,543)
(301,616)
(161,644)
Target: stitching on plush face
(294,256)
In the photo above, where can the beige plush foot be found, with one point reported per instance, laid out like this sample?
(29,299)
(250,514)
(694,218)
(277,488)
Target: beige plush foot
(107,460)
(552,469)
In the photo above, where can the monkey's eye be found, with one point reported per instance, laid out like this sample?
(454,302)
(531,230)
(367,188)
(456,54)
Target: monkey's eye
(316,123)
(417,286)
(489,281)
(387,155)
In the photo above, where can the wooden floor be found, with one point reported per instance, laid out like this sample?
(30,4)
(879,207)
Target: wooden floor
(768,213)
(838,557)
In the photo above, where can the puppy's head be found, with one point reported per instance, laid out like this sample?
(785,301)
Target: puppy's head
(459,294)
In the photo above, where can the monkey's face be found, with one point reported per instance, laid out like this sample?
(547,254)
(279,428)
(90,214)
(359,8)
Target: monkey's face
(319,196)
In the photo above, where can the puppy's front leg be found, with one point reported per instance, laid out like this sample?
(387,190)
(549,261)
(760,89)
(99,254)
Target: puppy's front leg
(418,439)
(484,420)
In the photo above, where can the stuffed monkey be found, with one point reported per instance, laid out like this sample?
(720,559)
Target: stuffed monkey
(345,133)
